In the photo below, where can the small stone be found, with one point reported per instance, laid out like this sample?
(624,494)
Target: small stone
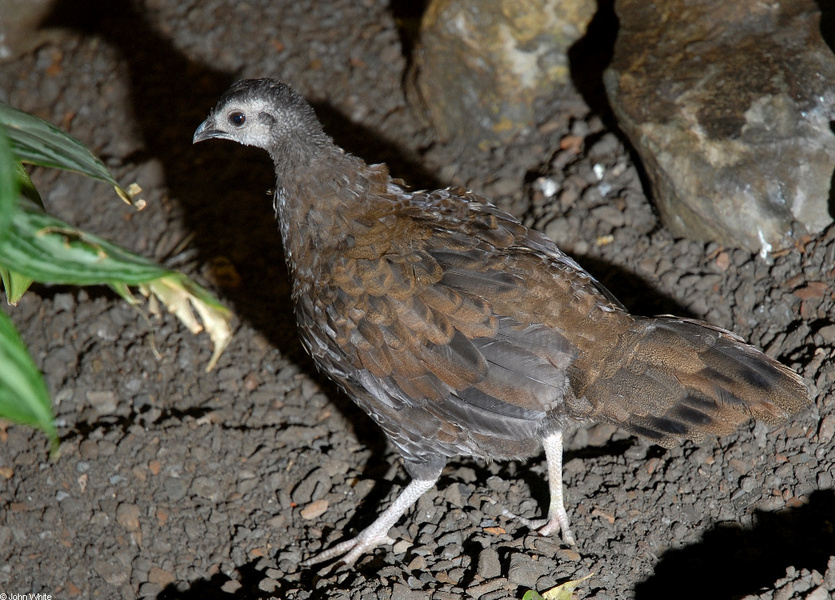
(402,592)
(315,509)
(813,290)
(748,484)
(208,488)
(819,593)
(523,570)
(231,586)
(723,261)
(175,488)
(827,334)
(161,577)
(89,450)
(112,572)
(829,577)
(268,585)
(568,555)
(826,429)
(477,591)
(312,487)
(127,515)
(488,563)
(104,402)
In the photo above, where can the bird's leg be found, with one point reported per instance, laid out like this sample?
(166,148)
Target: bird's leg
(376,533)
(557,517)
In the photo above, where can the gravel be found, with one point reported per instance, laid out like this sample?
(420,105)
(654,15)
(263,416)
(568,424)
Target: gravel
(174,483)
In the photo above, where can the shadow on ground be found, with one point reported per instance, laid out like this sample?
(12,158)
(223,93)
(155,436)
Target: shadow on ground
(731,562)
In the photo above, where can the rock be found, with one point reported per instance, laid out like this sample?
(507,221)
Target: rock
(104,402)
(480,66)
(175,488)
(729,106)
(523,570)
(315,509)
(21,28)
(161,577)
(208,488)
(488,563)
(112,571)
(127,515)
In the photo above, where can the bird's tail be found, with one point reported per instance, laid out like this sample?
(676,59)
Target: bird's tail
(673,378)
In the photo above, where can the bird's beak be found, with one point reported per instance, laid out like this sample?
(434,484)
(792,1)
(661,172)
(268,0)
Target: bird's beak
(207,131)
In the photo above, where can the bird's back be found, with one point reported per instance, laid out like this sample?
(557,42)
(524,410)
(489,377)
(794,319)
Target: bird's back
(461,331)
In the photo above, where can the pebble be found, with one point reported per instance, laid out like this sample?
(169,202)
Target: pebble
(104,402)
(231,587)
(315,485)
(175,488)
(89,450)
(112,571)
(314,510)
(523,570)
(161,577)
(826,430)
(609,214)
(488,563)
(127,515)
(207,487)
(827,334)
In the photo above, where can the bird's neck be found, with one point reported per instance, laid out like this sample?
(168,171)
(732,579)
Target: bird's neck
(318,199)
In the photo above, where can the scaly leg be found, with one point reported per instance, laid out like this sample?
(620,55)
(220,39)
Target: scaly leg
(376,533)
(557,517)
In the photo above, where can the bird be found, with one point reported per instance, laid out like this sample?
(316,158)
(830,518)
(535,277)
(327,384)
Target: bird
(461,332)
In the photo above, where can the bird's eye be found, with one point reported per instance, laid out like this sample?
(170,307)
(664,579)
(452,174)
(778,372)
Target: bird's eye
(237,119)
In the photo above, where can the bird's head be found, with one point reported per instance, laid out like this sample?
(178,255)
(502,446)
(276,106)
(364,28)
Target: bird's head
(264,113)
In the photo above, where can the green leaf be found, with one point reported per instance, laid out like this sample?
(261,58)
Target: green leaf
(15,285)
(23,395)
(531,595)
(27,188)
(13,181)
(49,250)
(37,142)
(9,183)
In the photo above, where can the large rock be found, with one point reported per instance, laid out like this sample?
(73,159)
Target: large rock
(20,22)
(480,65)
(729,104)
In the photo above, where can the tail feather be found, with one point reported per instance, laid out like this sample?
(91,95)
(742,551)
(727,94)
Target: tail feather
(672,379)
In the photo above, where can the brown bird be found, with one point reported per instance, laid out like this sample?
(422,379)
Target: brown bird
(460,331)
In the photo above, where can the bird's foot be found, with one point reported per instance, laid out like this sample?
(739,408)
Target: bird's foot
(557,522)
(553,524)
(376,533)
(350,550)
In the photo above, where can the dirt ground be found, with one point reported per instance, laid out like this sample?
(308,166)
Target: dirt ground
(174,483)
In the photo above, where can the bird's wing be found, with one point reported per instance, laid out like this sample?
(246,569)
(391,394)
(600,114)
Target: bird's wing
(440,305)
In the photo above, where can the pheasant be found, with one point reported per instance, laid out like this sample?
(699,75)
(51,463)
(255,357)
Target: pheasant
(462,332)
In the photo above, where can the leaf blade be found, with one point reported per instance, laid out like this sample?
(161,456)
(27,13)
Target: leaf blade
(38,142)
(9,183)
(24,398)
